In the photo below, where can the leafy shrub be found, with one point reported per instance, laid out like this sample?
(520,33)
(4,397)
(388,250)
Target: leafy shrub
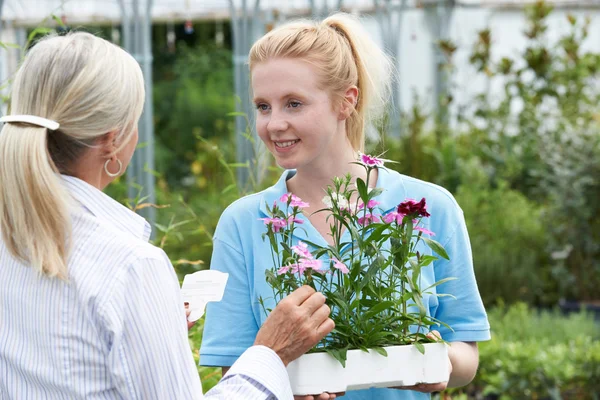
(538,355)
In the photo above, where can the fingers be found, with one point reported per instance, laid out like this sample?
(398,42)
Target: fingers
(321,315)
(434,335)
(313,303)
(425,388)
(322,396)
(300,295)
(327,326)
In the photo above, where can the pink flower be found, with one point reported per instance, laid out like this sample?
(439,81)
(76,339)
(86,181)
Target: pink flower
(425,231)
(293,200)
(393,216)
(295,220)
(368,219)
(339,265)
(370,205)
(277,223)
(284,269)
(302,250)
(371,161)
(298,203)
(306,263)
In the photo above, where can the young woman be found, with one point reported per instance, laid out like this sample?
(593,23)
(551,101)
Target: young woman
(88,308)
(316,85)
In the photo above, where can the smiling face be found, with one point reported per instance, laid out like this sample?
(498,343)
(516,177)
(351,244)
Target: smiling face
(296,119)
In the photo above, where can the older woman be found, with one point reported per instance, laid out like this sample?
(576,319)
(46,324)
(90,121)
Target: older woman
(89,309)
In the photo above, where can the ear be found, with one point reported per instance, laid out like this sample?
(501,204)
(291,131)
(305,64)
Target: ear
(349,103)
(107,145)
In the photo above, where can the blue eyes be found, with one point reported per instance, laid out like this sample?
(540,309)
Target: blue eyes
(265,107)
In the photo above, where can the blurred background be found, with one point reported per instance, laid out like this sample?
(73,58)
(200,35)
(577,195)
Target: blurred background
(497,101)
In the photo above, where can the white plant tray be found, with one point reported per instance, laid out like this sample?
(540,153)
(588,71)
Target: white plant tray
(404,366)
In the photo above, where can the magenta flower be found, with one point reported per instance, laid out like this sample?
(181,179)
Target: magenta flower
(276,223)
(337,264)
(302,250)
(371,161)
(370,204)
(410,207)
(368,219)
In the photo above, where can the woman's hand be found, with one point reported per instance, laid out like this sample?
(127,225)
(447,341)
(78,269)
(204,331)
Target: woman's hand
(187,314)
(322,396)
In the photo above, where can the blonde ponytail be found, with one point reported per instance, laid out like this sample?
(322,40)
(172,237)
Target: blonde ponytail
(344,54)
(90,87)
(33,211)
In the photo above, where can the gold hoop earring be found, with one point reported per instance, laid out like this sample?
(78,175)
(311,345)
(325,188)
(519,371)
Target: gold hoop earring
(110,173)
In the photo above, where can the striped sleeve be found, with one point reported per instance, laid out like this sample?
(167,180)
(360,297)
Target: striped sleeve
(259,374)
(149,353)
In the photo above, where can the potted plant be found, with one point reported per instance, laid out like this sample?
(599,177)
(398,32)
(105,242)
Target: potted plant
(371,278)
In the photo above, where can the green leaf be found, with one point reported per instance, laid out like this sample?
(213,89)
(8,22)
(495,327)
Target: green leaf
(438,248)
(362,190)
(380,350)
(384,305)
(440,282)
(339,354)
(420,347)
(38,31)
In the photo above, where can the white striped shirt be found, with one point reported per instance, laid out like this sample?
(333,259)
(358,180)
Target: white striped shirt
(117,329)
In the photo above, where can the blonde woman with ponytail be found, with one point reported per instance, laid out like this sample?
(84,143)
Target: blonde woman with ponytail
(316,86)
(88,308)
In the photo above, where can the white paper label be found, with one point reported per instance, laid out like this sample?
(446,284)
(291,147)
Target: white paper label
(201,287)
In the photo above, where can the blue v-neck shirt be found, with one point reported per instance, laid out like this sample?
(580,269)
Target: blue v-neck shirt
(232,324)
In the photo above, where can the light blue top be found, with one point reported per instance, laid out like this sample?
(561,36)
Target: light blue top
(117,329)
(232,324)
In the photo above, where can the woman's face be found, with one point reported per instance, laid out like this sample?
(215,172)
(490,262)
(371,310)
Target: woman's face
(296,118)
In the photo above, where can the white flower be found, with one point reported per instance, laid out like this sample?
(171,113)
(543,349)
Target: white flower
(337,199)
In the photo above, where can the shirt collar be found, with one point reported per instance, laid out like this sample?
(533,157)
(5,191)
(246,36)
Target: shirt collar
(393,193)
(107,209)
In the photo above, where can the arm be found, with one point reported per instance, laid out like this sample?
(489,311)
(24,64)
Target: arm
(144,322)
(464,358)
(298,322)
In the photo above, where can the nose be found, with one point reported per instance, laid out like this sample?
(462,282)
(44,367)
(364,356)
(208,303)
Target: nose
(277,123)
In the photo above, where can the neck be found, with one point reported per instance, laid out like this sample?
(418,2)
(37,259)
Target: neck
(310,182)
(90,168)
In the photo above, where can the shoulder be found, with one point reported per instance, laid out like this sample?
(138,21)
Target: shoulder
(99,243)
(434,194)
(242,214)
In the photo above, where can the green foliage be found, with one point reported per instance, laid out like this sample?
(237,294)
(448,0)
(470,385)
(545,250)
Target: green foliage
(538,355)
(525,164)
(508,241)
(192,101)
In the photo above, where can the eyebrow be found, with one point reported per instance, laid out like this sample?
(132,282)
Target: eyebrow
(286,96)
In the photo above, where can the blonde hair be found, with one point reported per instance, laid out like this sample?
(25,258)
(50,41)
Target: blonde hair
(344,55)
(90,87)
